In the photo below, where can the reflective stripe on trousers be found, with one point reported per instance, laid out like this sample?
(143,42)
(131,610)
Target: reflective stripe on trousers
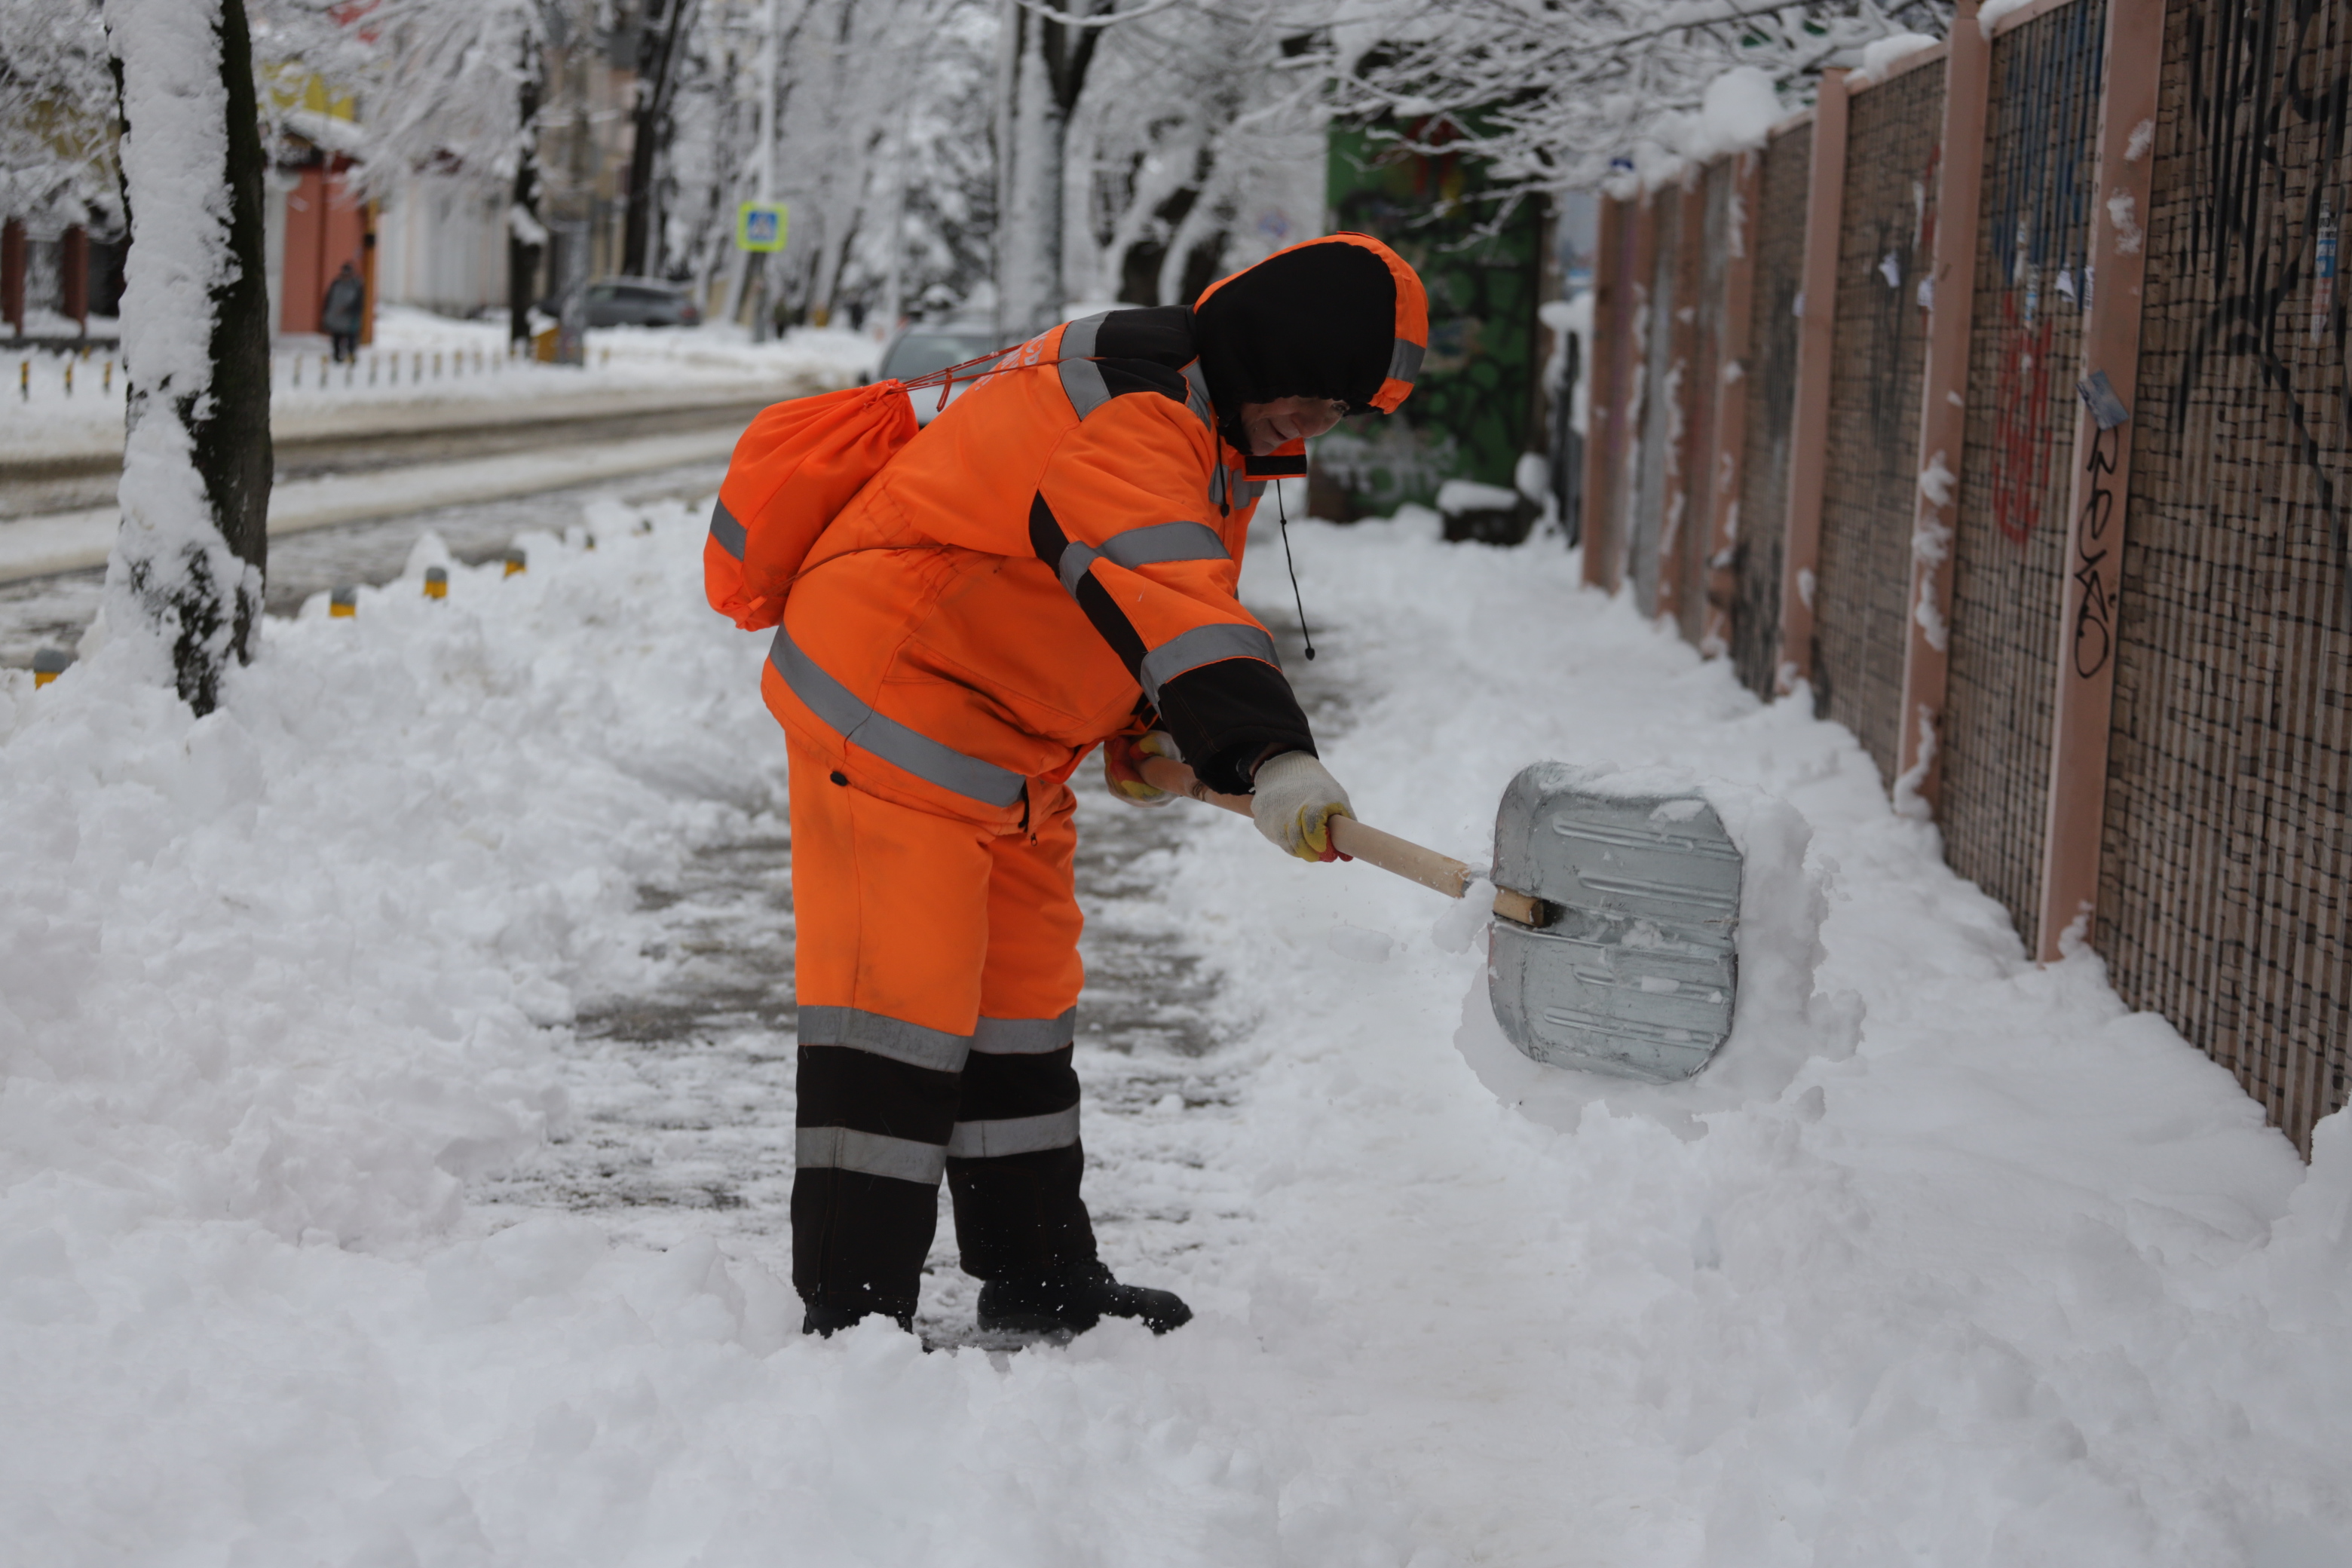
(1025,1036)
(878,1034)
(869,1154)
(903,1159)
(1015,1135)
(856,722)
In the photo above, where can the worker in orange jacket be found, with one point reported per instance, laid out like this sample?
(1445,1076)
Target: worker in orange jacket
(1051,566)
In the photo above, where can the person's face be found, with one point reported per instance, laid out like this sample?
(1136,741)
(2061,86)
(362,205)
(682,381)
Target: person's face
(1286,419)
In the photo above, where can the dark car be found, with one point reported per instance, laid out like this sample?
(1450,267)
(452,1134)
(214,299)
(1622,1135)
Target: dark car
(638,302)
(926,346)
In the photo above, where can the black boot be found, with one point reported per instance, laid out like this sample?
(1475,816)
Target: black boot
(1075,1300)
(824,1322)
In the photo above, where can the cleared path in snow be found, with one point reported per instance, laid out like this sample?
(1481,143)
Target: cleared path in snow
(682,1094)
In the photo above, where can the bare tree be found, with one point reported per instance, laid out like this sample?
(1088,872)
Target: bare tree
(1048,53)
(661,31)
(462,87)
(1191,110)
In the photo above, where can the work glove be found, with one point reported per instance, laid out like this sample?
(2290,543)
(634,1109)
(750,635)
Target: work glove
(1293,803)
(1122,766)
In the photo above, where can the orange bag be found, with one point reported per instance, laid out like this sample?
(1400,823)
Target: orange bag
(794,470)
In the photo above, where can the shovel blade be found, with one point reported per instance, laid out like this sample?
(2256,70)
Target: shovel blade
(1638,976)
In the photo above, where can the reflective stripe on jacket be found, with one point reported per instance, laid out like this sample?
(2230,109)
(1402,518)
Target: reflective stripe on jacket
(1059,548)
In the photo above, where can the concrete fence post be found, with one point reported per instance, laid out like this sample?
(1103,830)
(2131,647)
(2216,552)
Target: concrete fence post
(2102,481)
(1633,391)
(1943,408)
(1809,431)
(1678,506)
(1605,378)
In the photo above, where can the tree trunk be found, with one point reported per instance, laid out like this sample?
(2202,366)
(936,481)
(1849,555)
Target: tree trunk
(1049,74)
(188,559)
(523,242)
(656,58)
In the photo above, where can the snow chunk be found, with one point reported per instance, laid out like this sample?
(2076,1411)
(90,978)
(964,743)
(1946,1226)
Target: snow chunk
(1460,924)
(1455,497)
(1936,481)
(1880,54)
(1736,112)
(1990,14)
(1531,476)
(2123,211)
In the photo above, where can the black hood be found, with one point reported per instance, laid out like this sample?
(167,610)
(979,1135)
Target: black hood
(1315,321)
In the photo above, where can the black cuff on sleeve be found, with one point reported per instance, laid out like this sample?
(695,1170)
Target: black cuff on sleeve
(1225,716)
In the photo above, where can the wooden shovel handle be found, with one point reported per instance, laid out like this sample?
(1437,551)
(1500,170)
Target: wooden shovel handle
(1407,859)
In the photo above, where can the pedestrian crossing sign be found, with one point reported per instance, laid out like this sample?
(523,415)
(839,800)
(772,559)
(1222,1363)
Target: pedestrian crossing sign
(760,226)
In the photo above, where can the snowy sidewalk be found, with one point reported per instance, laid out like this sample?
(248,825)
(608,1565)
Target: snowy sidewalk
(427,371)
(76,541)
(1976,1269)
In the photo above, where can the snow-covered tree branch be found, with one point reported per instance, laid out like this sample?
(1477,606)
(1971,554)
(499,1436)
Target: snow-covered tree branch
(57,120)
(1553,92)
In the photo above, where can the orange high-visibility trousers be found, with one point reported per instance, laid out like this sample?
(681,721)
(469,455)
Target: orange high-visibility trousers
(937,973)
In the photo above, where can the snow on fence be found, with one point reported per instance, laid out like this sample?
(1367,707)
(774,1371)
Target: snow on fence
(2113,657)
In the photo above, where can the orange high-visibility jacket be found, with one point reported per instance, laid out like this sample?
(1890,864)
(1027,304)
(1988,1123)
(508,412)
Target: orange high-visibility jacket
(1053,558)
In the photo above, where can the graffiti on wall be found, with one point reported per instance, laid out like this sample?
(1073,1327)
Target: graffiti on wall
(2038,222)
(2263,164)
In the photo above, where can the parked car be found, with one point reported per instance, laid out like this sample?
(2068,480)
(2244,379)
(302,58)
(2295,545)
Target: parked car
(636,302)
(923,347)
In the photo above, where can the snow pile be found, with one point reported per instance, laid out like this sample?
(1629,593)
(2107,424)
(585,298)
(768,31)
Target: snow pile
(286,963)
(1736,113)
(1455,497)
(1948,1260)
(1984,1268)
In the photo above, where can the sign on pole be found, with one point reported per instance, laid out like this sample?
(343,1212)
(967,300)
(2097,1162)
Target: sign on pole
(760,226)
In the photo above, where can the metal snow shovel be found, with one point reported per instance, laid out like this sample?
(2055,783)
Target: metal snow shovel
(1613,946)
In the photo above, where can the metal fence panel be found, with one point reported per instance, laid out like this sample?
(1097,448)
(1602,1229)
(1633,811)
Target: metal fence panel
(1707,272)
(1777,231)
(2010,544)
(2224,863)
(1862,590)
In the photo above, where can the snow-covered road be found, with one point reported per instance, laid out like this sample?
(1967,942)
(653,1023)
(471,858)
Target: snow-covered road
(1949,1260)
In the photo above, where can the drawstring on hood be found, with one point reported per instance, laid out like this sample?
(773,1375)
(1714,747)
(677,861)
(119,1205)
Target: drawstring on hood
(1343,317)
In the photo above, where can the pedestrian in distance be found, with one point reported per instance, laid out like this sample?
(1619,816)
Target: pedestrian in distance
(339,316)
(1049,567)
